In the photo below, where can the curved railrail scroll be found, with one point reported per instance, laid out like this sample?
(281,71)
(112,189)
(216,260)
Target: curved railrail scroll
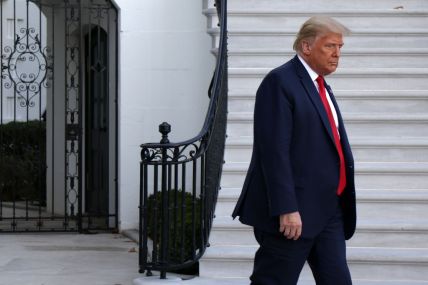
(179,182)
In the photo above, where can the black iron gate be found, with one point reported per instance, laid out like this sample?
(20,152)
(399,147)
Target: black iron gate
(58,115)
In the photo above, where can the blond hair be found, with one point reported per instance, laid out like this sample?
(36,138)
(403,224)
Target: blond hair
(316,26)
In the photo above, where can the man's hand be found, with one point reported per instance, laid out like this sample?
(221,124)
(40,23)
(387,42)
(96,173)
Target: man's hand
(290,225)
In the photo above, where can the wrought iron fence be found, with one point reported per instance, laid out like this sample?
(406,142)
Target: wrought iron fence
(179,182)
(58,86)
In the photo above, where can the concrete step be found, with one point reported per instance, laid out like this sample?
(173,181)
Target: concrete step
(350,57)
(370,38)
(354,101)
(333,5)
(405,196)
(364,149)
(248,79)
(396,205)
(391,176)
(366,94)
(357,125)
(263,19)
(218,280)
(374,232)
(395,150)
(365,263)
(370,232)
(369,175)
(370,103)
(393,205)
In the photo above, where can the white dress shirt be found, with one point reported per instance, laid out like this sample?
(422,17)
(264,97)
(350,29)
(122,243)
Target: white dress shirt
(314,77)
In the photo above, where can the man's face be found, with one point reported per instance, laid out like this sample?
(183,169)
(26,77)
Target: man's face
(323,53)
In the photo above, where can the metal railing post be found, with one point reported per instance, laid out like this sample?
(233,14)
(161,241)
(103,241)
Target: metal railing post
(164,129)
(177,222)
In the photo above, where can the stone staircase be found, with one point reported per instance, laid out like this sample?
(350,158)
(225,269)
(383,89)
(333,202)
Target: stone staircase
(382,89)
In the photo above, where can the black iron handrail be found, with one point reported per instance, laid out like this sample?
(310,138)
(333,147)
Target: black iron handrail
(179,182)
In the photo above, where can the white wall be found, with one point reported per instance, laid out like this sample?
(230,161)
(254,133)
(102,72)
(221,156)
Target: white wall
(165,67)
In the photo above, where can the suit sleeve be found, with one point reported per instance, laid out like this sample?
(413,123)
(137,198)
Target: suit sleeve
(273,128)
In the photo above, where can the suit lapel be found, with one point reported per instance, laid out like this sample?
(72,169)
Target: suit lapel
(343,136)
(333,100)
(339,115)
(313,94)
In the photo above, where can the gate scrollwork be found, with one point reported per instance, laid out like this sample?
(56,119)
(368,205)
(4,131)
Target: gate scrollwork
(27,66)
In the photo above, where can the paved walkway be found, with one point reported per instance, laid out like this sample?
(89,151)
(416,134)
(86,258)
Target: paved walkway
(98,259)
(66,259)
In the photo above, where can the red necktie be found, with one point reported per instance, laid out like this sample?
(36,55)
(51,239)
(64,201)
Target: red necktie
(342,178)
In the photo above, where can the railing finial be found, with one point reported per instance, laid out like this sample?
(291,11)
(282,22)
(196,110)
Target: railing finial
(164,129)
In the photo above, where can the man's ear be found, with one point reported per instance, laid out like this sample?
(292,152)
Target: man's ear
(306,48)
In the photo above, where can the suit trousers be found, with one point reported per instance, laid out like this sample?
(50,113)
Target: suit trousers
(279,261)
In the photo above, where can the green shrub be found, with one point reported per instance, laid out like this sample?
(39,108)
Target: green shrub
(175,198)
(23,161)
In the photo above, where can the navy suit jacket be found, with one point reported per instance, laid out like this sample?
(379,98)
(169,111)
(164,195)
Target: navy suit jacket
(295,164)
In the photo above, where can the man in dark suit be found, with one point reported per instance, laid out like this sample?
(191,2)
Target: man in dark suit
(299,193)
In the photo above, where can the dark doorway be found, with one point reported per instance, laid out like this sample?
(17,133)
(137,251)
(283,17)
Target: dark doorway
(96,123)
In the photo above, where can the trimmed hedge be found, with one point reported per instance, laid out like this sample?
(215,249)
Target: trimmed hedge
(176,224)
(23,161)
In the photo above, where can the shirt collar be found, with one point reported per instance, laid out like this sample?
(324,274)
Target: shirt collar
(311,72)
